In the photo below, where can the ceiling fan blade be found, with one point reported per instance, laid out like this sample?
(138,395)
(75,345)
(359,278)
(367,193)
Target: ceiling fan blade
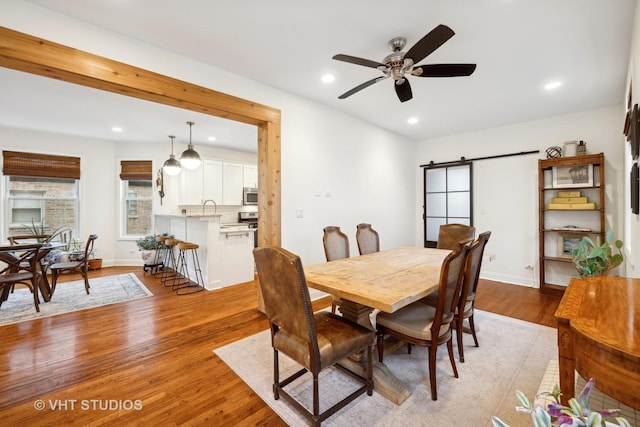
(403,90)
(429,43)
(362,86)
(444,70)
(358,61)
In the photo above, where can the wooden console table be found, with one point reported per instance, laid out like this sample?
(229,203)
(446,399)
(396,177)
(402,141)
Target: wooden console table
(599,337)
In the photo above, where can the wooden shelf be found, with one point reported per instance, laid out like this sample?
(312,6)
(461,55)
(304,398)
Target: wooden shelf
(591,218)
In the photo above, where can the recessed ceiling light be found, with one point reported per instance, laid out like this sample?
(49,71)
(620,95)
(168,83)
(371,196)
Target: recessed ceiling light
(212,138)
(116,129)
(328,78)
(412,120)
(553,85)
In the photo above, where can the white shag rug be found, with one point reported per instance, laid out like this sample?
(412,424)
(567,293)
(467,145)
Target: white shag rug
(513,354)
(71,296)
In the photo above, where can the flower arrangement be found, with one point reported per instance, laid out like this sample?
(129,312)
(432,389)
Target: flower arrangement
(577,414)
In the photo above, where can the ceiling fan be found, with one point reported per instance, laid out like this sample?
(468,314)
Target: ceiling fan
(400,64)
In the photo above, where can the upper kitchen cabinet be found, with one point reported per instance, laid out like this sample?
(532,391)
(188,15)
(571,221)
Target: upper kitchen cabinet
(232,183)
(250,176)
(213,178)
(191,186)
(216,180)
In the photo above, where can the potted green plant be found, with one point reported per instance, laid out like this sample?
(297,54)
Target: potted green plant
(152,250)
(595,259)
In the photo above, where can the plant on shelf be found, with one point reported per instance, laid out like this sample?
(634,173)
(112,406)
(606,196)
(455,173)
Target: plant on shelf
(595,259)
(578,413)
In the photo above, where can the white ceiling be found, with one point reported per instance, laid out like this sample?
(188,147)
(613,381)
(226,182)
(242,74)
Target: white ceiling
(518,45)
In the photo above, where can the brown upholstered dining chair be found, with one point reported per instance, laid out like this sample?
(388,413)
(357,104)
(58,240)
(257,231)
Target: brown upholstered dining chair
(424,325)
(367,238)
(336,246)
(80,266)
(450,235)
(314,341)
(14,272)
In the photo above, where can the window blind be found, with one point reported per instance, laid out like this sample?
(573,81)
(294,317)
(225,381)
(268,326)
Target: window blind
(136,170)
(16,163)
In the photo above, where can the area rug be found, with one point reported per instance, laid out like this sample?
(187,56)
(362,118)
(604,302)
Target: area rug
(71,296)
(513,355)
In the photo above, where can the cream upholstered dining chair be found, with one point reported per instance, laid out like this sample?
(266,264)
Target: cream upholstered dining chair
(424,325)
(367,238)
(336,246)
(313,340)
(450,235)
(468,292)
(81,266)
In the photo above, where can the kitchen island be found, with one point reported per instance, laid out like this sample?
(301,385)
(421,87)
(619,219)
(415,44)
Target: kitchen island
(225,252)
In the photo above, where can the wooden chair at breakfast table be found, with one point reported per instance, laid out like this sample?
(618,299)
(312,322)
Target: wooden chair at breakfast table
(79,266)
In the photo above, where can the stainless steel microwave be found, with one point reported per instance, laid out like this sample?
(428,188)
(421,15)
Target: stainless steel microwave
(249,196)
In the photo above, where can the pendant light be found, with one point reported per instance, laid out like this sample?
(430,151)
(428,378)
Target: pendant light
(190,159)
(171,166)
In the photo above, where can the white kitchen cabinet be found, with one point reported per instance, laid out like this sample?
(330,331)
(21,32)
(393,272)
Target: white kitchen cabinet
(250,176)
(213,178)
(191,186)
(232,175)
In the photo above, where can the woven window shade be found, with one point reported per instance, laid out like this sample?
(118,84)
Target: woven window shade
(40,165)
(135,170)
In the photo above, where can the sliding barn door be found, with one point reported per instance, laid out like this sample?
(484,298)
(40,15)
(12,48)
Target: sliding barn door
(448,198)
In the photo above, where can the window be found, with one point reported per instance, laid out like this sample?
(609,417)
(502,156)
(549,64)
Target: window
(40,192)
(137,197)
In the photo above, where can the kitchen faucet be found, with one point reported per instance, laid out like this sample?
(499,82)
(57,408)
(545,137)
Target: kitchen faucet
(215,206)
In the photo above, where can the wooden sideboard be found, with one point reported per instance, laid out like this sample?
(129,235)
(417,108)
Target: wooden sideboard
(599,337)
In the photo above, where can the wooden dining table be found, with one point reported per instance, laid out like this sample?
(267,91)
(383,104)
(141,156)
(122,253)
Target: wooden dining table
(385,281)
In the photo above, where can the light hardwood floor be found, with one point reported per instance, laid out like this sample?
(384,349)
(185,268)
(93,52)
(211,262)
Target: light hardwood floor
(159,350)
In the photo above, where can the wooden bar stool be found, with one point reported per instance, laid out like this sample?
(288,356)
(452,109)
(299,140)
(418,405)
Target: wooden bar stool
(169,275)
(158,259)
(185,285)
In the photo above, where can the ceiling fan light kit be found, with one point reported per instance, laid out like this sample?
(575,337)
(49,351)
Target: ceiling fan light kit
(399,64)
(190,158)
(171,166)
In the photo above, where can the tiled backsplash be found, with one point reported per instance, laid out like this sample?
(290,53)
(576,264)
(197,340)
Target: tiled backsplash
(229,213)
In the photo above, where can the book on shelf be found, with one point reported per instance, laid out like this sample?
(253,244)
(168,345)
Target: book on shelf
(571,228)
(569,193)
(571,206)
(570,200)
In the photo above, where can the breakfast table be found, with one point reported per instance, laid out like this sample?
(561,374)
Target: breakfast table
(385,281)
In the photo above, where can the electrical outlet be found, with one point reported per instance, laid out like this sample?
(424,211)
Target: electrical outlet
(299,213)
(528,267)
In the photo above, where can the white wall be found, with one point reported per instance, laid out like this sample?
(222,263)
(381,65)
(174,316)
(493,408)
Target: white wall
(632,222)
(505,189)
(364,168)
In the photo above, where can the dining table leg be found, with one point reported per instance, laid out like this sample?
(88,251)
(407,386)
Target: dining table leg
(384,381)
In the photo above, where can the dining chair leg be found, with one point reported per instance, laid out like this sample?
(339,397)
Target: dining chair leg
(316,399)
(472,326)
(432,371)
(451,358)
(276,375)
(380,346)
(459,335)
(36,299)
